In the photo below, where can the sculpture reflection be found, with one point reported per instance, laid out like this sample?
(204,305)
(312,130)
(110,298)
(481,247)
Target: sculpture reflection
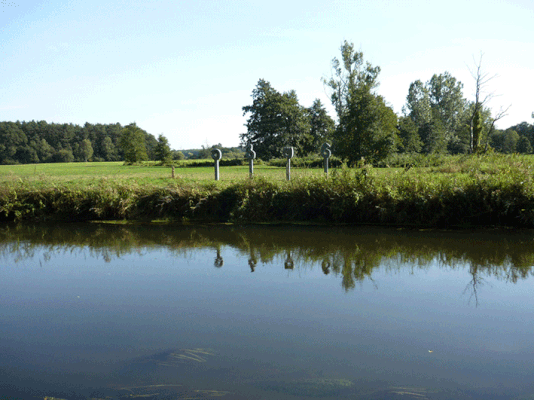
(351,254)
(219,262)
(289,263)
(325,266)
(252,261)
(252,264)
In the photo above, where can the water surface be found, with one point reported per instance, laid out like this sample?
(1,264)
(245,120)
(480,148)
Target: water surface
(209,312)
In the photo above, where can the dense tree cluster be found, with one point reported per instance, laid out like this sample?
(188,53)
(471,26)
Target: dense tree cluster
(205,152)
(516,139)
(277,120)
(42,142)
(34,142)
(436,118)
(367,126)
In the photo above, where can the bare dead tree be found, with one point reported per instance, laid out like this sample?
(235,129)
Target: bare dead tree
(474,284)
(482,98)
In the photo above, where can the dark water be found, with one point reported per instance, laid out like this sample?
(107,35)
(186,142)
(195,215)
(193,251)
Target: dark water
(163,312)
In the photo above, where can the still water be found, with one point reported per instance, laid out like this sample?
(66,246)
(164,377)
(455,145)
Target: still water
(222,312)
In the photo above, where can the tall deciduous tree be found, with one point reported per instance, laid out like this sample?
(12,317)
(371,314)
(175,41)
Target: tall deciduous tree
(275,120)
(505,141)
(151,144)
(84,151)
(108,149)
(418,106)
(410,141)
(524,145)
(132,143)
(446,98)
(426,120)
(367,127)
(321,127)
(44,151)
(163,150)
(437,108)
(12,139)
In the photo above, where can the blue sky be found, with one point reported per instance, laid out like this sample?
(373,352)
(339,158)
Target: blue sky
(186,68)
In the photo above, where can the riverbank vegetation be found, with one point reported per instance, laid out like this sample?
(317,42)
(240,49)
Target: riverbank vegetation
(461,191)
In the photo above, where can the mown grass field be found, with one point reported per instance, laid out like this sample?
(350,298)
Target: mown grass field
(148,173)
(454,191)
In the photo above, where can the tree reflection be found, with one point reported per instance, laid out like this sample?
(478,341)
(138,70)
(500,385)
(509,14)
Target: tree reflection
(474,284)
(352,254)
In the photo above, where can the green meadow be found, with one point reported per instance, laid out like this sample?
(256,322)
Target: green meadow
(146,173)
(447,191)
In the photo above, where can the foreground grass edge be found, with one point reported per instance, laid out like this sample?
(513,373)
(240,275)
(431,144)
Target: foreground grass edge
(502,197)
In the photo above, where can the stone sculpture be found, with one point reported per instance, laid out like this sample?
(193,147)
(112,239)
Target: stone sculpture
(288,153)
(250,155)
(326,153)
(216,155)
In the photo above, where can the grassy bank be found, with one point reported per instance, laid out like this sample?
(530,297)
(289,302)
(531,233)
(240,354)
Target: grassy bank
(463,191)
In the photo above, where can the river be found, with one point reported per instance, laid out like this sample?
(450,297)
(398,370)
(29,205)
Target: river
(102,311)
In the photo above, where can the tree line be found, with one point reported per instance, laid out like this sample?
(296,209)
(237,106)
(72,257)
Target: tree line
(436,118)
(42,142)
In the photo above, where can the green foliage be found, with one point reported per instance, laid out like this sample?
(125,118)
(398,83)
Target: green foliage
(367,126)
(524,146)
(40,142)
(505,141)
(418,106)
(205,152)
(12,139)
(410,141)
(177,155)
(85,150)
(132,143)
(151,145)
(524,129)
(64,156)
(447,102)
(346,74)
(223,162)
(305,162)
(108,150)
(322,128)
(410,160)
(437,108)
(477,130)
(276,120)
(163,150)
(45,151)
